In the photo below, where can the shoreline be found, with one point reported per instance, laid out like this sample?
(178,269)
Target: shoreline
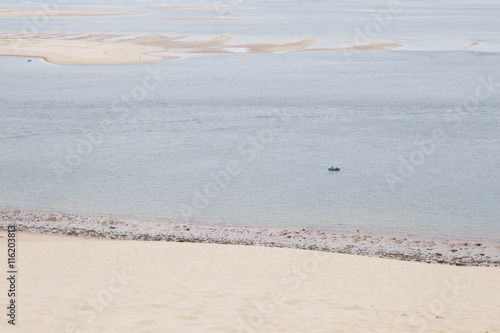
(78,284)
(437,251)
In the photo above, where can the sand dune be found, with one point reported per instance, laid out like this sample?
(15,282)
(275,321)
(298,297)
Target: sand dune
(70,283)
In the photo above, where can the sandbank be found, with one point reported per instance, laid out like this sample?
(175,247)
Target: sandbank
(98,49)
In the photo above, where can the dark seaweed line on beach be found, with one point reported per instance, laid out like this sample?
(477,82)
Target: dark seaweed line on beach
(426,251)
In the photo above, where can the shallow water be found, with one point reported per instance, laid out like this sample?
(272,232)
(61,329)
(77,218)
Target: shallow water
(413,159)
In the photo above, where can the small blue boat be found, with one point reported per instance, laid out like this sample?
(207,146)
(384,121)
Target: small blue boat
(333,169)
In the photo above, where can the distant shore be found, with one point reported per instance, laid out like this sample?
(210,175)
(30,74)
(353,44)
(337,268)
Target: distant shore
(20,12)
(453,252)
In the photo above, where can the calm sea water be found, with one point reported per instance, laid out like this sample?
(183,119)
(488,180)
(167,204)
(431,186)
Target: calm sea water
(246,140)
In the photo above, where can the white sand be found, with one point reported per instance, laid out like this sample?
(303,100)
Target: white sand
(133,286)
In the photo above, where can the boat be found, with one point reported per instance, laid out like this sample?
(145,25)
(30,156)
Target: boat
(333,169)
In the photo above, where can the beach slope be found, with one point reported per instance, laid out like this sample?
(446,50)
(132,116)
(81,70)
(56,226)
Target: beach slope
(76,284)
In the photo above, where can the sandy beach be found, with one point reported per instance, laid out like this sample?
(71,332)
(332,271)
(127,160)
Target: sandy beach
(73,284)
